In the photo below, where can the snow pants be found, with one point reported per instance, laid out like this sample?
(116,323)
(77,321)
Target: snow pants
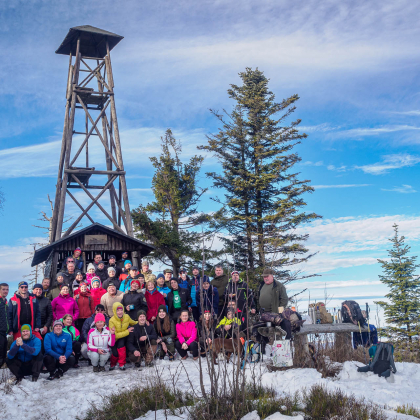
(193,348)
(97,358)
(119,353)
(52,364)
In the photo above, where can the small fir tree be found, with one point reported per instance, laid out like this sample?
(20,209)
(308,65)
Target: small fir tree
(402,312)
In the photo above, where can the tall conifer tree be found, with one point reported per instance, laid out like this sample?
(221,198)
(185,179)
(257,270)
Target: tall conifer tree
(263,197)
(402,312)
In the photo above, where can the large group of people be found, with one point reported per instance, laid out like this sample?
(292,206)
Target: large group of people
(116,313)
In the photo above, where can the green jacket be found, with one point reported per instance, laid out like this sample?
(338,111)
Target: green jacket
(278,295)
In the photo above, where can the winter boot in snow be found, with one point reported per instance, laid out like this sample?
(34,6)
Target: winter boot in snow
(96,368)
(101,369)
(122,367)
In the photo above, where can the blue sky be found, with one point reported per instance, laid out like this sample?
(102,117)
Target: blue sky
(355,66)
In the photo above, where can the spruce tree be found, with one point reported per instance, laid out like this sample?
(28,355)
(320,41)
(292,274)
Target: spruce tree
(262,206)
(402,312)
(171,223)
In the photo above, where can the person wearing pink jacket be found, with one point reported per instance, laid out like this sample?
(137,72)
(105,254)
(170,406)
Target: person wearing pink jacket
(186,332)
(64,304)
(100,340)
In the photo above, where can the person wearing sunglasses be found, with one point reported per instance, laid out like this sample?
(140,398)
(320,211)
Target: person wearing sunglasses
(24,310)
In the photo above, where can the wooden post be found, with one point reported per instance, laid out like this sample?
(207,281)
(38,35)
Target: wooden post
(68,134)
(61,161)
(130,231)
(108,160)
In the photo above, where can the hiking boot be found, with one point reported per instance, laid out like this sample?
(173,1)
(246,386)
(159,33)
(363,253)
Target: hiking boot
(137,365)
(51,377)
(149,364)
(76,366)
(101,368)
(18,380)
(122,367)
(34,378)
(171,358)
(111,368)
(96,368)
(60,373)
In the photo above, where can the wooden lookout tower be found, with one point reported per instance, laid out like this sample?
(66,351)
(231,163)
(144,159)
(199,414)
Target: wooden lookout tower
(90,120)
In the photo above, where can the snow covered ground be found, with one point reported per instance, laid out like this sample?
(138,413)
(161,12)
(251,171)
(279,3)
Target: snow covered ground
(72,395)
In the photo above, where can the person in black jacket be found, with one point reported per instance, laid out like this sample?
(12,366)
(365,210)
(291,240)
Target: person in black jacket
(45,309)
(101,271)
(4,322)
(165,329)
(178,299)
(239,291)
(140,342)
(134,300)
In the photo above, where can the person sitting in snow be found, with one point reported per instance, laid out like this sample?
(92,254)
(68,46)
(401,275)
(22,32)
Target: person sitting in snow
(25,355)
(122,324)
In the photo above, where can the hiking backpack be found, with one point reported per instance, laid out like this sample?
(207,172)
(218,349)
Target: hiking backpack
(351,313)
(252,352)
(383,359)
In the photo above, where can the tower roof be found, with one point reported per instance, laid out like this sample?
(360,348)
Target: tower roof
(92,41)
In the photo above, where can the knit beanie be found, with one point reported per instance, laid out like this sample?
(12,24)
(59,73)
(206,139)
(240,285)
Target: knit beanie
(38,286)
(91,266)
(95,279)
(163,308)
(58,322)
(25,327)
(111,269)
(99,317)
(127,262)
(160,276)
(135,281)
(141,312)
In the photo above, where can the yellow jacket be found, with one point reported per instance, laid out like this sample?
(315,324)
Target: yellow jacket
(120,324)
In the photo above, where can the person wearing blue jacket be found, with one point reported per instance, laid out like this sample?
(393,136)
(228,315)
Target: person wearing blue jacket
(161,286)
(210,296)
(58,351)
(25,355)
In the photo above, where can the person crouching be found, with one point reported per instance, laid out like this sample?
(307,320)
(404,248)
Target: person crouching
(25,355)
(58,351)
(139,342)
(100,341)
(186,336)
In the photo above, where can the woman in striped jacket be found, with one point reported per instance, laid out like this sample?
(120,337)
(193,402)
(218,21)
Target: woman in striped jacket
(100,339)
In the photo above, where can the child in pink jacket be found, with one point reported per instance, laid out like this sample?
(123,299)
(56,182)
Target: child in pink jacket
(186,332)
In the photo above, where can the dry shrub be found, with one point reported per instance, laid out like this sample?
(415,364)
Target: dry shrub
(321,403)
(133,403)
(409,410)
(327,355)
(404,351)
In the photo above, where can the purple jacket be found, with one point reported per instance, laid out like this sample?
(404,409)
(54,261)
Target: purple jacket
(63,305)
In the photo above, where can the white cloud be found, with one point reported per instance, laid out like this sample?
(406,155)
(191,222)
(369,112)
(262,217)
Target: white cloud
(309,163)
(389,162)
(138,144)
(342,168)
(320,187)
(404,189)
(414,113)
(374,131)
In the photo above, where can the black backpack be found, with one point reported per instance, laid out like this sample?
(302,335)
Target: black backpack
(383,359)
(351,313)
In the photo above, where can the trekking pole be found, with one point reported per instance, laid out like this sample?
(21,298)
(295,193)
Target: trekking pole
(367,313)
(360,330)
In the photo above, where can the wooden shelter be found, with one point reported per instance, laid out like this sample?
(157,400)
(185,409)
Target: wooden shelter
(90,121)
(91,239)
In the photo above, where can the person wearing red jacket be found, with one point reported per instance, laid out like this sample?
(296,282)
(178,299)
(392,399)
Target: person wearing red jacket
(186,332)
(96,291)
(154,299)
(85,303)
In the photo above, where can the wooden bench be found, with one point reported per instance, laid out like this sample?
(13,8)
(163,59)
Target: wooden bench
(342,335)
